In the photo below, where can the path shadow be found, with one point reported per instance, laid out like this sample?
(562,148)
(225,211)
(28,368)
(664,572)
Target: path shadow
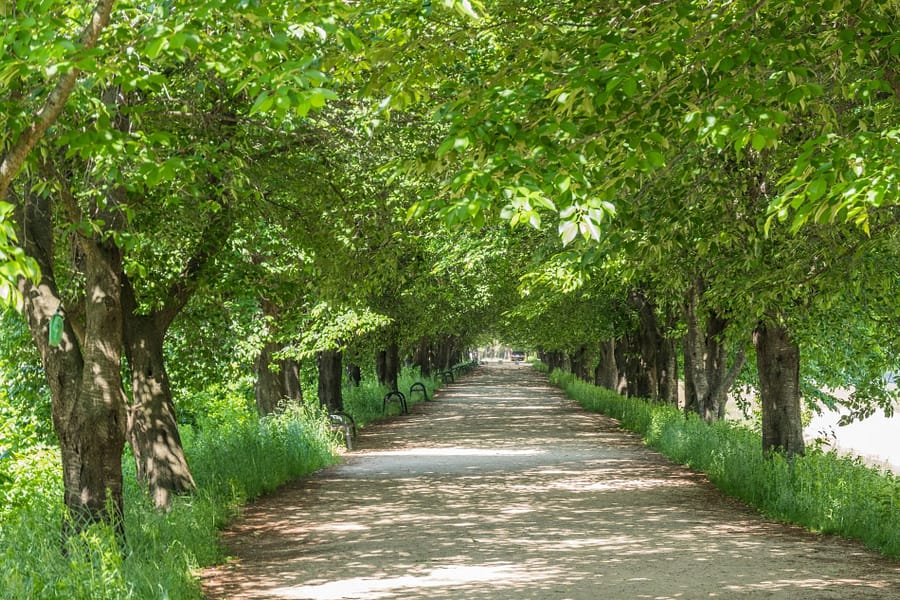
(503,488)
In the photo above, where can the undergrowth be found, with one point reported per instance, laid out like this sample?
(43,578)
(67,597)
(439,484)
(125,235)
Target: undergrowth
(365,403)
(234,457)
(822,491)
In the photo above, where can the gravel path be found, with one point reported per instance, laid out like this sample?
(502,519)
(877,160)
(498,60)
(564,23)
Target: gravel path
(503,488)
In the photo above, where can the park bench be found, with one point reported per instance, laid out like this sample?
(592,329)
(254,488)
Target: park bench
(418,387)
(395,396)
(346,425)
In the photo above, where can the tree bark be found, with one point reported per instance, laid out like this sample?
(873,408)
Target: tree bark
(445,351)
(381,367)
(276,379)
(607,374)
(648,343)
(778,365)
(94,476)
(578,362)
(707,375)
(556,359)
(667,371)
(422,357)
(354,374)
(620,351)
(392,366)
(330,378)
(694,345)
(87,398)
(637,376)
(160,462)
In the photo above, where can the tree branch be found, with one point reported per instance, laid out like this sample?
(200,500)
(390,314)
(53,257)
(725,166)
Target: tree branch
(53,105)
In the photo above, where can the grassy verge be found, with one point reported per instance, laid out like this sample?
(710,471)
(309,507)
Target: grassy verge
(231,464)
(821,491)
(234,458)
(364,403)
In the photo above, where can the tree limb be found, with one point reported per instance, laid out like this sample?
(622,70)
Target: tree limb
(54,104)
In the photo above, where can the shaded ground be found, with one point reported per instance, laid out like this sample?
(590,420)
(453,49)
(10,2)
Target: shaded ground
(503,488)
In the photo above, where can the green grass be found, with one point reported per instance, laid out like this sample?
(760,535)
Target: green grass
(232,463)
(364,403)
(821,491)
(234,457)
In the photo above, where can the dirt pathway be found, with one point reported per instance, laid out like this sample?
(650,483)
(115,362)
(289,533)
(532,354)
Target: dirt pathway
(503,488)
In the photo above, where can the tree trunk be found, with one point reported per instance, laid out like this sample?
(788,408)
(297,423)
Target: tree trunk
(354,374)
(696,389)
(267,388)
(331,372)
(422,357)
(276,379)
(692,389)
(648,344)
(160,462)
(381,367)
(637,377)
(88,401)
(392,366)
(446,352)
(707,376)
(104,415)
(556,359)
(607,374)
(667,367)
(578,362)
(620,350)
(778,365)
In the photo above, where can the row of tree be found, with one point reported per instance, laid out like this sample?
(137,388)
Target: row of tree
(684,181)
(170,171)
(722,175)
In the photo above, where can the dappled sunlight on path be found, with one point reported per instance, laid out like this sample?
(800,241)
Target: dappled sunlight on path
(503,488)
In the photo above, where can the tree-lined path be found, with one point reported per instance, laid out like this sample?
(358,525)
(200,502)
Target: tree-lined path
(503,488)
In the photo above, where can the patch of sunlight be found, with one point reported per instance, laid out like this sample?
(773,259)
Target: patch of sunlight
(338,527)
(370,588)
(621,545)
(816,584)
(517,510)
(455,451)
(583,485)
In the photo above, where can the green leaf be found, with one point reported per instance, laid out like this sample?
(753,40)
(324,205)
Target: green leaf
(656,159)
(758,141)
(263,103)
(816,189)
(568,230)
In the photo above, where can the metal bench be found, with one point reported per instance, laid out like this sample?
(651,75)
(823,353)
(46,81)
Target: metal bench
(418,387)
(395,396)
(346,425)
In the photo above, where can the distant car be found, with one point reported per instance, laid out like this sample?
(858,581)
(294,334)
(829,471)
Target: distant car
(517,356)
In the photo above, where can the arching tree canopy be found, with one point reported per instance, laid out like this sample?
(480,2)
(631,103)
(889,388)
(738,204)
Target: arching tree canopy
(644,193)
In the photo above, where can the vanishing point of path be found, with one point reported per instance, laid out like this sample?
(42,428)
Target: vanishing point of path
(503,488)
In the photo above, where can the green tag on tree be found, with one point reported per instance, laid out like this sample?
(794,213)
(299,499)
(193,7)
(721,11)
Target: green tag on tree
(56,330)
